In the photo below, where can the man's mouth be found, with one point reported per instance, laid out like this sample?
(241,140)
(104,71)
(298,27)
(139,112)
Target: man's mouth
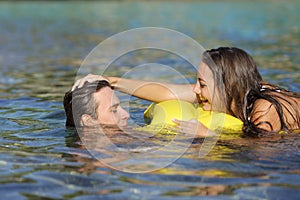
(123,125)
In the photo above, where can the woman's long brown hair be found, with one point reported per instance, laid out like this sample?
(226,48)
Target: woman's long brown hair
(240,84)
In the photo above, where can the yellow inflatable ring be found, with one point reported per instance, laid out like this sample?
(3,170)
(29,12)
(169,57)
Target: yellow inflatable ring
(161,115)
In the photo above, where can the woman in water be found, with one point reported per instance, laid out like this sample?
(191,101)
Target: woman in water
(227,81)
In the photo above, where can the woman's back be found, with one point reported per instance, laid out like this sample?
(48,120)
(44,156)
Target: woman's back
(273,109)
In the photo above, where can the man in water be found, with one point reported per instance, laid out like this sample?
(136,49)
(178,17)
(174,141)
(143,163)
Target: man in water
(94,104)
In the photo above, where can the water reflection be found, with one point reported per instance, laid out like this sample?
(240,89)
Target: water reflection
(232,166)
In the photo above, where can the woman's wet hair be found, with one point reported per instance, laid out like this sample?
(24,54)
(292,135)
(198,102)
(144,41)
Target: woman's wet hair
(238,84)
(81,101)
(235,74)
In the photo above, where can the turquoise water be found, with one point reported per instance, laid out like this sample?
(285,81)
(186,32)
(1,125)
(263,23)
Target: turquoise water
(42,47)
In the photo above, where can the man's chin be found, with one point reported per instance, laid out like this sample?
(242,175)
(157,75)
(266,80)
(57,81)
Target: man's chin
(109,126)
(120,126)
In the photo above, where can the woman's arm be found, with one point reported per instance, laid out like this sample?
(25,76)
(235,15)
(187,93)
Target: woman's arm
(152,91)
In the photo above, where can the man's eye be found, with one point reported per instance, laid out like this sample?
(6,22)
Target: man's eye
(114,110)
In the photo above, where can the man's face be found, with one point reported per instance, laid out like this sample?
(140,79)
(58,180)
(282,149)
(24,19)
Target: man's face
(109,110)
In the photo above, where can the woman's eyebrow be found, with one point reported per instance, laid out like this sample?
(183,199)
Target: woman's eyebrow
(201,79)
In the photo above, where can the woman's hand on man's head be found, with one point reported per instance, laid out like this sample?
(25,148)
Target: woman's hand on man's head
(88,78)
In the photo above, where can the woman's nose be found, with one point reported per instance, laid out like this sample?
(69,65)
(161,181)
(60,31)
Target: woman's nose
(197,89)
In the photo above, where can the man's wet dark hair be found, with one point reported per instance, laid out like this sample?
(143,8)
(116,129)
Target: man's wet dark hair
(81,101)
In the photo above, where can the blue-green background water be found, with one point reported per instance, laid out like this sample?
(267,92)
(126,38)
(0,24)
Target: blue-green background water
(42,47)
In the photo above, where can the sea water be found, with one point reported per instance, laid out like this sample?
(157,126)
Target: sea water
(43,45)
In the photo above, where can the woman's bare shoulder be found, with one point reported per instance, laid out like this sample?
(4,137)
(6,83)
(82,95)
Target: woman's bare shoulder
(268,116)
(265,116)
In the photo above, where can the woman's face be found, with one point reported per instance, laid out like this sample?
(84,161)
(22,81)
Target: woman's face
(204,87)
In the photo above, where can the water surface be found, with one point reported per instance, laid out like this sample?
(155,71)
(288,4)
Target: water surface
(42,47)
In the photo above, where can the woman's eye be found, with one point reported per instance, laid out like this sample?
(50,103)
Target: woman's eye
(202,85)
(114,111)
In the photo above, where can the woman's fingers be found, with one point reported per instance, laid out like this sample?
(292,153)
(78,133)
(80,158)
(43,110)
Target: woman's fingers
(176,121)
(88,78)
(192,127)
(189,127)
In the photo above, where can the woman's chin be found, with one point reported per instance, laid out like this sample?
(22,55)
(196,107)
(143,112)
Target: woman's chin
(206,107)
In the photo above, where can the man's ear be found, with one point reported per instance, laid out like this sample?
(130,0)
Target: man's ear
(88,120)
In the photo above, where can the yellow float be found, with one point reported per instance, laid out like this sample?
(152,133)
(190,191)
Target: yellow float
(160,115)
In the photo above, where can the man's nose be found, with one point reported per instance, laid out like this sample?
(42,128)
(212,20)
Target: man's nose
(125,114)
